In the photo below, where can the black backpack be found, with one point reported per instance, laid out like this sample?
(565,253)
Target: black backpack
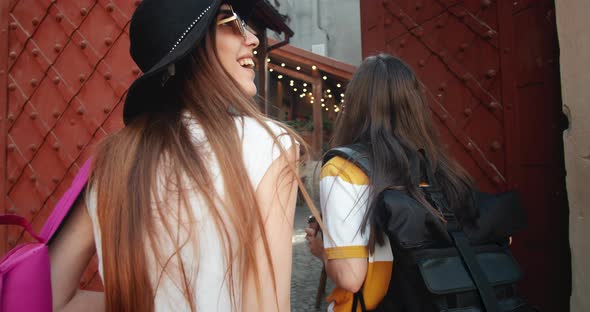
(445,267)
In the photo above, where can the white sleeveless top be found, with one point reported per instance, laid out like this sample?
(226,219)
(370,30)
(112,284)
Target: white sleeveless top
(211,290)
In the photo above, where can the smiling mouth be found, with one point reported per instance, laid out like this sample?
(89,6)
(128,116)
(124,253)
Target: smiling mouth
(247,63)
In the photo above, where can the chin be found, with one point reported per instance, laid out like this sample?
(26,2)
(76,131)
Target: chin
(250,89)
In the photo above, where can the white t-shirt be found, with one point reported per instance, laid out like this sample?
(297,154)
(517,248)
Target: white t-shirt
(211,289)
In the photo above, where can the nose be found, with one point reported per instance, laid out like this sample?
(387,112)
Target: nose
(251,39)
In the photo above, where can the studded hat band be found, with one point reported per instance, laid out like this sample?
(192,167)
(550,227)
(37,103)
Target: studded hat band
(189,28)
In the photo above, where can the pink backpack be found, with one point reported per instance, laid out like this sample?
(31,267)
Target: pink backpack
(25,276)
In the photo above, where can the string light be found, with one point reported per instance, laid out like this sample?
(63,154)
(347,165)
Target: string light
(255,52)
(310,94)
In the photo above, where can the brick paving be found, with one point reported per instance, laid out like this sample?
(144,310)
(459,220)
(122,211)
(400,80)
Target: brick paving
(306,269)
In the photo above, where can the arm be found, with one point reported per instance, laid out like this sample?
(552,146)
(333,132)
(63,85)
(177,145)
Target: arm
(276,194)
(347,273)
(69,253)
(343,195)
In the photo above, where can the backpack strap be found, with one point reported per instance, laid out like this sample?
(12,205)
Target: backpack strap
(356,153)
(358,298)
(461,242)
(23,222)
(487,294)
(61,210)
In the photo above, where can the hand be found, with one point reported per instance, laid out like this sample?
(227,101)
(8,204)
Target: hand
(315,242)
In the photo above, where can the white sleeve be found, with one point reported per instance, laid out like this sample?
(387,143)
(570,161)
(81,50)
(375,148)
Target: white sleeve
(343,199)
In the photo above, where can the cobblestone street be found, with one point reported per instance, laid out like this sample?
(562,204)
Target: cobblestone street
(306,269)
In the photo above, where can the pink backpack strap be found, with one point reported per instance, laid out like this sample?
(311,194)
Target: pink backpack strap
(60,211)
(18,220)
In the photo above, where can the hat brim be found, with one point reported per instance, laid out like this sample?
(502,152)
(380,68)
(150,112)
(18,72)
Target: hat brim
(145,89)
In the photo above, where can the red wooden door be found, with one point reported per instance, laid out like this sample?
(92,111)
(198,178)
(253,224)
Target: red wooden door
(490,70)
(63,79)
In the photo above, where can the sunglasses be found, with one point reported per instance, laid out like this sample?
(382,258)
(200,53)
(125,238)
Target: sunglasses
(235,21)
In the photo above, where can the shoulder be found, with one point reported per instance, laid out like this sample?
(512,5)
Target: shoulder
(265,132)
(263,137)
(260,144)
(345,170)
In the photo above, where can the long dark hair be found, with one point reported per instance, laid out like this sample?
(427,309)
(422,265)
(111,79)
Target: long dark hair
(385,110)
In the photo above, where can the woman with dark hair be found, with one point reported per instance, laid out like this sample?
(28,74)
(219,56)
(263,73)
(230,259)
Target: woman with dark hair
(190,206)
(385,111)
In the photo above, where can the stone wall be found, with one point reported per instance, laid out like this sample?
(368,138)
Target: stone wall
(573,28)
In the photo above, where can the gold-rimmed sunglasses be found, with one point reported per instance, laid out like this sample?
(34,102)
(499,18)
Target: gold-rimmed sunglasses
(235,21)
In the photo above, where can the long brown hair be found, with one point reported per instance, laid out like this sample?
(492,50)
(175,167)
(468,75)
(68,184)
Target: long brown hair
(144,171)
(386,110)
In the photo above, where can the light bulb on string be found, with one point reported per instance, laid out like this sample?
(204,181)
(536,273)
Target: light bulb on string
(325,78)
(338,85)
(314,67)
(280,76)
(298,68)
(255,52)
(282,64)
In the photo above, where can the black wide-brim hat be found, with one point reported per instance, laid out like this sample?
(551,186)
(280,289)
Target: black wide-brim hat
(163,32)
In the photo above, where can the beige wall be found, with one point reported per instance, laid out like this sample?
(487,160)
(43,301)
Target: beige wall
(573,26)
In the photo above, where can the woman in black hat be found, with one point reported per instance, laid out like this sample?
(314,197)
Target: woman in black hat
(191,205)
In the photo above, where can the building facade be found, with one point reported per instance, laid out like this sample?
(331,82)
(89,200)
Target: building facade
(326,27)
